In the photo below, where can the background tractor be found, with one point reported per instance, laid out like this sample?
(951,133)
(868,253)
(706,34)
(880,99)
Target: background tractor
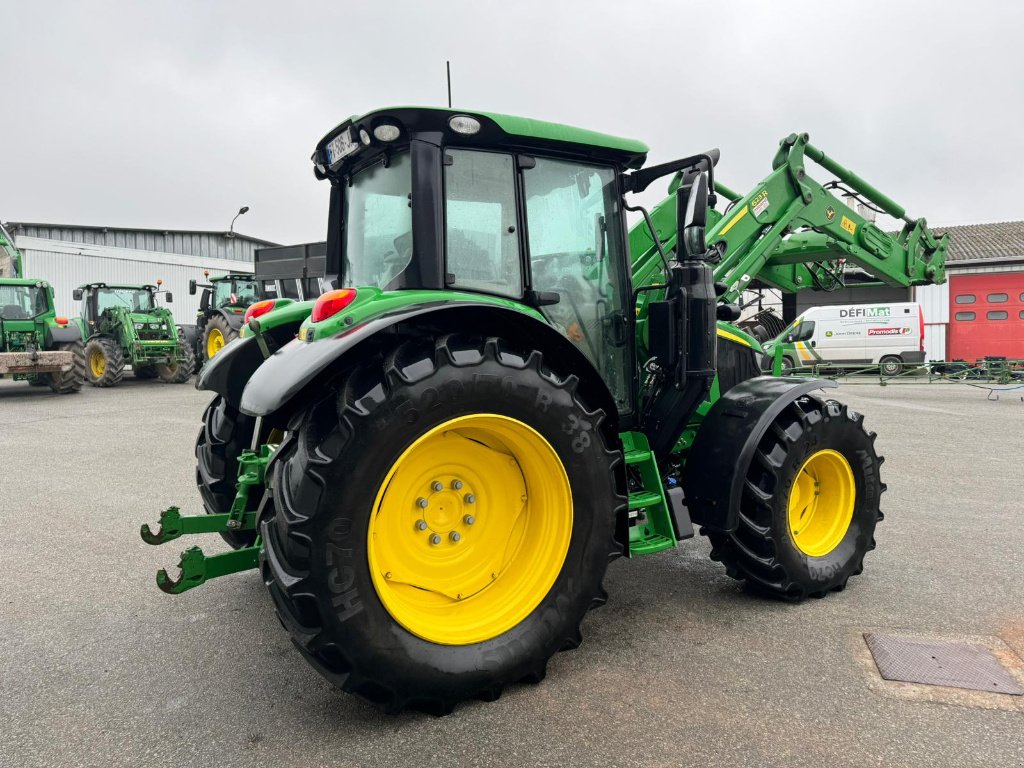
(35,345)
(124,326)
(432,463)
(221,308)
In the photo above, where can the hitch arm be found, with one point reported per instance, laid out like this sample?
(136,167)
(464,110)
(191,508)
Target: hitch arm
(174,524)
(197,568)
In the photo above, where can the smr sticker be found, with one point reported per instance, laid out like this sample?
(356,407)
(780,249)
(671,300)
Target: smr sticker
(848,225)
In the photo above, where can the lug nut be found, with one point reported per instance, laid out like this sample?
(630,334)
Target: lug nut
(435,539)
(422,503)
(454,536)
(436,486)
(470,498)
(469,519)
(457,485)
(421,525)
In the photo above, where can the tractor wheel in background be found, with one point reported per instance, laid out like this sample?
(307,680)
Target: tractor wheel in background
(225,434)
(145,372)
(809,505)
(104,362)
(442,523)
(66,382)
(891,365)
(178,373)
(218,332)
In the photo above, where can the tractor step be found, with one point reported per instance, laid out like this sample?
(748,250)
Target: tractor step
(651,525)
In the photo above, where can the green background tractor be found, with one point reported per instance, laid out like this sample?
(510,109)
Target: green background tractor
(432,463)
(222,306)
(123,326)
(36,345)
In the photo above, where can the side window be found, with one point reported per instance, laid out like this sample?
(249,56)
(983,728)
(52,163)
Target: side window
(965,316)
(574,227)
(965,298)
(997,298)
(481,238)
(806,330)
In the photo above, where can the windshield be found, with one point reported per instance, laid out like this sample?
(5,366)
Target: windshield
(135,299)
(378,225)
(22,302)
(228,293)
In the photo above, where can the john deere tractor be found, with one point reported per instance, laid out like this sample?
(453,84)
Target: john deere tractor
(123,326)
(432,463)
(221,308)
(35,345)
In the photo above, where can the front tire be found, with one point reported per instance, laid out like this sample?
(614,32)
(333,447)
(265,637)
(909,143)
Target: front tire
(809,504)
(376,589)
(104,362)
(891,365)
(178,373)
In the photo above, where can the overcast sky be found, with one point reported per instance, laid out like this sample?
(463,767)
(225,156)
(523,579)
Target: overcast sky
(172,115)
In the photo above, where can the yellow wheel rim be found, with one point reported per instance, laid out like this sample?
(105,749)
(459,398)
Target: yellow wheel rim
(97,363)
(214,342)
(470,529)
(821,503)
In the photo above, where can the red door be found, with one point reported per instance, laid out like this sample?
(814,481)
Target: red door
(986,316)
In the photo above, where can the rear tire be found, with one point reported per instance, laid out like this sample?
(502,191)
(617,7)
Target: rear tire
(225,434)
(763,551)
(891,365)
(331,480)
(66,382)
(217,334)
(104,362)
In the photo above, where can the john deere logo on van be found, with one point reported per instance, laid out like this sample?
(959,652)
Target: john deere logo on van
(865,312)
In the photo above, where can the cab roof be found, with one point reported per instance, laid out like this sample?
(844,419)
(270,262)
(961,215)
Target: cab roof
(497,131)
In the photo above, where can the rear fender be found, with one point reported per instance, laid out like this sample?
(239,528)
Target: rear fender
(234,319)
(287,379)
(717,463)
(58,335)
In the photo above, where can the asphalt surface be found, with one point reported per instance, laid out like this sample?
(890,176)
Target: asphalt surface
(682,667)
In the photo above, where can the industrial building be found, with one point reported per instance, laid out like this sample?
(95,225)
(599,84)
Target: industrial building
(69,255)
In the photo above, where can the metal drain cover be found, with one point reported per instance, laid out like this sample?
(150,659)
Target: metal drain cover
(936,662)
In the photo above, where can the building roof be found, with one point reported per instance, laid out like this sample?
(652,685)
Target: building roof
(199,243)
(999,241)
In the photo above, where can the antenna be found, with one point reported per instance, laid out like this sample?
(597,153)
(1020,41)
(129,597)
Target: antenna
(448,67)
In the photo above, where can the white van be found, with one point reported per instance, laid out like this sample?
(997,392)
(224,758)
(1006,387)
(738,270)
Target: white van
(889,335)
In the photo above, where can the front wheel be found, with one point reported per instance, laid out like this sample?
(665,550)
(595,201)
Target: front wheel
(104,362)
(178,372)
(891,365)
(442,523)
(809,505)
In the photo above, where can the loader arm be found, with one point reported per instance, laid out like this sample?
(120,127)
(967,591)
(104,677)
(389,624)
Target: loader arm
(791,232)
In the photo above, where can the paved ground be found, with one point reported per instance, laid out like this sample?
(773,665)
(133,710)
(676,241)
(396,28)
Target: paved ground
(682,667)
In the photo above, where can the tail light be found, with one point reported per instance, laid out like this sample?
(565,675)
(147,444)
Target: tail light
(257,309)
(331,303)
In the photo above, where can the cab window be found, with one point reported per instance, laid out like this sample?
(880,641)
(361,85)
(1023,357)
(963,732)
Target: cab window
(575,237)
(481,241)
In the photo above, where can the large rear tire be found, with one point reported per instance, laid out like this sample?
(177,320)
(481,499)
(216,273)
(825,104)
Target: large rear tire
(225,434)
(217,334)
(809,505)
(66,382)
(104,362)
(443,520)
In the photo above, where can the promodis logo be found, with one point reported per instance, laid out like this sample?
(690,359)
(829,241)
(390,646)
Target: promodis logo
(865,312)
(888,331)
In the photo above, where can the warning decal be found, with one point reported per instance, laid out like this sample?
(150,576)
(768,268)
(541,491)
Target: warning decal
(848,225)
(760,202)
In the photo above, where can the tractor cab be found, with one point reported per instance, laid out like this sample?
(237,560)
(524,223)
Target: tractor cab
(231,292)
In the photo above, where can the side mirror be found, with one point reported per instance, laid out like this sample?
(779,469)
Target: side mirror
(77,294)
(191,287)
(169,297)
(692,218)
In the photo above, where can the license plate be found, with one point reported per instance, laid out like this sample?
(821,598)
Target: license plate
(341,146)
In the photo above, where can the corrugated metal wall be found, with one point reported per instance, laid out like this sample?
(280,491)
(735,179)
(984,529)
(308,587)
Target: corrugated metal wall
(204,245)
(66,271)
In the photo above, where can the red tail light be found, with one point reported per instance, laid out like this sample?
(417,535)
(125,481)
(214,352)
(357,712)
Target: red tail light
(257,309)
(331,303)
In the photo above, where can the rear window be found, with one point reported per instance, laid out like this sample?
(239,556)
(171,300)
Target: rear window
(965,298)
(965,315)
(997,314)
(997,298)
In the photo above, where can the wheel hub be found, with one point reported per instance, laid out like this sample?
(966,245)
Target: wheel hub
(821,503)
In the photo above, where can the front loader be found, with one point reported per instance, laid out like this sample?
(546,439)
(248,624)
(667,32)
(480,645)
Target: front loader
(432,463)
(123,325)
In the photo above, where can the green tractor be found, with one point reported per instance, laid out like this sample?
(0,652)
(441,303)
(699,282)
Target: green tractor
(35,345)
(432,464)
(123,325)
(221,309)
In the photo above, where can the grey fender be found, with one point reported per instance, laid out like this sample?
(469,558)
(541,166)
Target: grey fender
(717,463)
(64,335)
(277,385)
